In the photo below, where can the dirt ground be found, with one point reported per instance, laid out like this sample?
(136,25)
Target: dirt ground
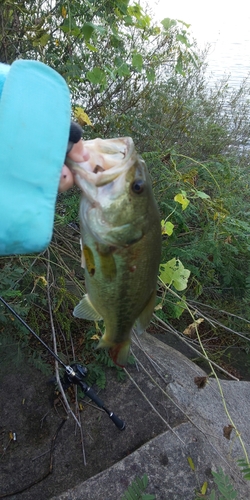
(46,458)
(27,409)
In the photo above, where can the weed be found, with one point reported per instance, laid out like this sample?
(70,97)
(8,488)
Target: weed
(136,490)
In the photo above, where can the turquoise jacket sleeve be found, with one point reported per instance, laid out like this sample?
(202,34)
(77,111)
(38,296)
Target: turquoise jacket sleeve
(34,132)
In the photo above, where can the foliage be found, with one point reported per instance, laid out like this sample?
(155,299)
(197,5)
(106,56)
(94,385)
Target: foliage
(109,52)
(136,489)
(224,486)
(139,79)
(24,284)
(211,235)
(100,359)
(245,468)
(68,208)
(197,118)
(136,78)
(174,273)
(224,491)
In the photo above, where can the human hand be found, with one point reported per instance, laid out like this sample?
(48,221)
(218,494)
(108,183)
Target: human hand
(76,152)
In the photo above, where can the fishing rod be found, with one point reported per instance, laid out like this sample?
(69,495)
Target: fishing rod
(74,374)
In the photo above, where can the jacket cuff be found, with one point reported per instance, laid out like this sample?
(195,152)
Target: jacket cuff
(34,132)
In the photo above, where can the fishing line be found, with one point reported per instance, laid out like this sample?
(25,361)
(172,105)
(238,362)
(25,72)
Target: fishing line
(74,374)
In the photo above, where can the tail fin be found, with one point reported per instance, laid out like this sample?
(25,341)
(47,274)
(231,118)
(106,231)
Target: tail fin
(118,352)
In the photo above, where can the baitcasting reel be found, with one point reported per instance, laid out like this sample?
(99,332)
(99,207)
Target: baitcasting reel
(75,374)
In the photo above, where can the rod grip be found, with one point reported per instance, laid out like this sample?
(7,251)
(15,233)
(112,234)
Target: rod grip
(92,395)
(117,421)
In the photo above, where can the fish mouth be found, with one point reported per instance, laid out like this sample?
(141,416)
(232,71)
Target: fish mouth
(105,181)
(108,158)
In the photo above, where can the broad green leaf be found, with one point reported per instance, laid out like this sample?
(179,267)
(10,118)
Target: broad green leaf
(202,195)
(100,29)
(128,21)
(64,28)
(181,198)
(118,61)
(137,61)
(179,308)
(174,273)
(167,227)
(144,22)
(123,70)
(150,74)
(156,30)
(42,41)
(122,5)
(87,30)
(70,26)
(115,41)
(168,23)
(96,76)
(75,31)
(183,39)
(91,47)
(135,10)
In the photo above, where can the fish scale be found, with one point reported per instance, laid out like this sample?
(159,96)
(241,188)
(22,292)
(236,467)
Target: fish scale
(121,242)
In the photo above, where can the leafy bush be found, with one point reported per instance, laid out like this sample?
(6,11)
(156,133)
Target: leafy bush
(135,78)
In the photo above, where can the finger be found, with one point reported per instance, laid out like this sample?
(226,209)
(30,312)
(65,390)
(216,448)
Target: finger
(78,153)
(66,180)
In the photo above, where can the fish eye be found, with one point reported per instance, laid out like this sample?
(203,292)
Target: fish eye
(138,186)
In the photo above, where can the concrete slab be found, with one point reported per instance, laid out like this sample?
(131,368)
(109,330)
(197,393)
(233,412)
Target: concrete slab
(165,458)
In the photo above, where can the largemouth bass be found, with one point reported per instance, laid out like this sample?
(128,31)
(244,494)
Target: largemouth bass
(121,241)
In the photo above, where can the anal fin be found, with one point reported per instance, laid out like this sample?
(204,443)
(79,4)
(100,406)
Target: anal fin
(86,310)
(145,317)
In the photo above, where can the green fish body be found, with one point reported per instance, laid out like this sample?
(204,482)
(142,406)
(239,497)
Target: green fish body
(121,242)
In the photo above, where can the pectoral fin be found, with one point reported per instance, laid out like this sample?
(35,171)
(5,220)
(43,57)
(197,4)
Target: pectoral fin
(86,310)
(145,317)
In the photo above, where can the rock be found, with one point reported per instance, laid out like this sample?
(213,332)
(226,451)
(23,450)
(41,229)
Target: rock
(165,458)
